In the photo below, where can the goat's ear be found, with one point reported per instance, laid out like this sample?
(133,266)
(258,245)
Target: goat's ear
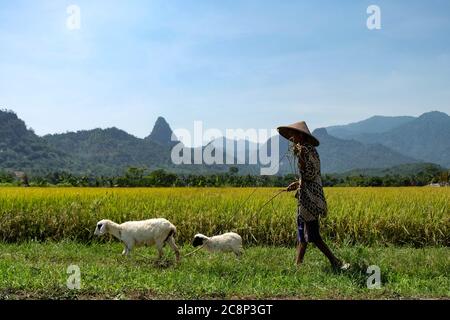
(103,229)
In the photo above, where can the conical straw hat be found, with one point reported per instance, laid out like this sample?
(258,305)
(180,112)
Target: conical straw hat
(298,128)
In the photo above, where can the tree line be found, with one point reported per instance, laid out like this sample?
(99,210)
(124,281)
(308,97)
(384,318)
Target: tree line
(141,177)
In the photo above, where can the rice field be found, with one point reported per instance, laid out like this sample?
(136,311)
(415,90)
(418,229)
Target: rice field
(404,231)
(416,217)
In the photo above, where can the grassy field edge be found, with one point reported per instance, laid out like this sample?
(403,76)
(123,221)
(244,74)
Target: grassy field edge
(34,270)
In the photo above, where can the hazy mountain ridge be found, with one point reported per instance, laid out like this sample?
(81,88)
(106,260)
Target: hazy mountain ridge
(338,155)
(110,151)
(375,124)
(426,138)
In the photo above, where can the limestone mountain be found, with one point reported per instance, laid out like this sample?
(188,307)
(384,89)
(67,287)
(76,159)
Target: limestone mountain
(162,133)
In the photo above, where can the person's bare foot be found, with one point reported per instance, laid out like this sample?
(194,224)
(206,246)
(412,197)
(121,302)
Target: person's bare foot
(345,266)
(339,265)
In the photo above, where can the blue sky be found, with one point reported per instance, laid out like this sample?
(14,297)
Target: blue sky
(231,64)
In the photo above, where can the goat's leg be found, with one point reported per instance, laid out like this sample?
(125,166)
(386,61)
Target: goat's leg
(127,250)
(238,252)
(172,244)
(159,247)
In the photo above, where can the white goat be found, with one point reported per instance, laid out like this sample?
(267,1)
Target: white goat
(157,232)
(227,242)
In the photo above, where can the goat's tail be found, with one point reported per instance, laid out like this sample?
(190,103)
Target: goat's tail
(172,233)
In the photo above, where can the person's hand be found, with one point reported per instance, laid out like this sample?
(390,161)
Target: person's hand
(293,186)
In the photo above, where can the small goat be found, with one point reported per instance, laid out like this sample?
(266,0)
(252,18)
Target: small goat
(157,232)
(227,242)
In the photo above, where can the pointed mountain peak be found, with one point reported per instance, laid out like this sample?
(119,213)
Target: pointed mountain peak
(161,133)
(161,122)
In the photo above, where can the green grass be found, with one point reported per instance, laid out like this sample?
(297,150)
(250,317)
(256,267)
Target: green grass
(38,270)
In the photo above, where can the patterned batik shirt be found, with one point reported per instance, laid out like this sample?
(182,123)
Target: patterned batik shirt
(311,199)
